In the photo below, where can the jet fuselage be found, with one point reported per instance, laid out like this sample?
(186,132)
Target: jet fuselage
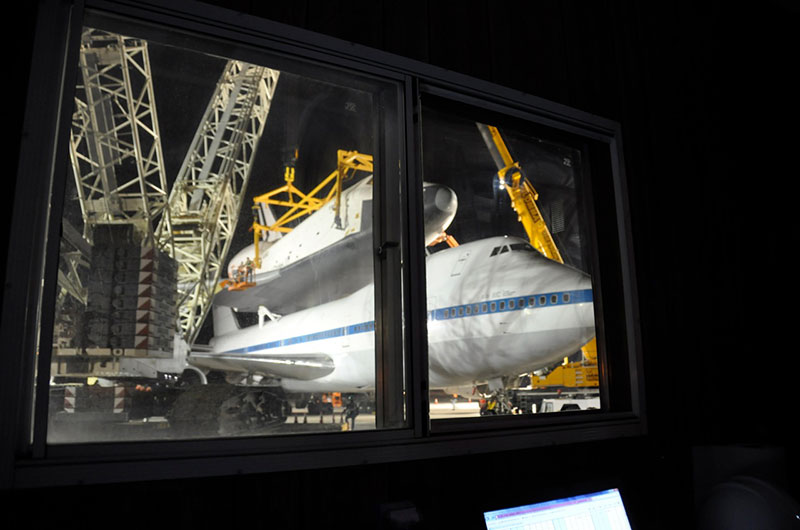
(496,307)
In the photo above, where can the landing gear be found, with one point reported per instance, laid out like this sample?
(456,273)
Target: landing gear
(496,403)
(252,410)
(315,406)
(495,399)
(191,377)
(223,409)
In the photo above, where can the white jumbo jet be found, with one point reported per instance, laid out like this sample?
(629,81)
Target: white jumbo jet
(496,307)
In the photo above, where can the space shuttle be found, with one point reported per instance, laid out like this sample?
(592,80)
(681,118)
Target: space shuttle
(496,307)
(326,257)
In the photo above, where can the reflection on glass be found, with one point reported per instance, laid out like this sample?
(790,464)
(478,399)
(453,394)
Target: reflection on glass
(216,273)
(516,252)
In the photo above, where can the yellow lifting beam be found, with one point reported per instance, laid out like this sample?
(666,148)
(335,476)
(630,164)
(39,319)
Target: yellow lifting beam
(299,204)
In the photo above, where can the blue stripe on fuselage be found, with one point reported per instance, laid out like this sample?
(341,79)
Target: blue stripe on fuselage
(498,305)
(512,303)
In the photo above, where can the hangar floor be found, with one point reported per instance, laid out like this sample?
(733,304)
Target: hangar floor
(366,421)
(66,430)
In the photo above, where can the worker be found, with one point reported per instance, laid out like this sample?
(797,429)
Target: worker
(350,412)
(248,265)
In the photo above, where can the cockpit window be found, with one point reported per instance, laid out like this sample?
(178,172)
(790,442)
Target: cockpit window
(522,246)
(515,246)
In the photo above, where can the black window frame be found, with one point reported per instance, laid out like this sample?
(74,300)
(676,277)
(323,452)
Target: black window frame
(28,461)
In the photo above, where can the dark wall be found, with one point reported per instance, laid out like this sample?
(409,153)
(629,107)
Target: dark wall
(707,105)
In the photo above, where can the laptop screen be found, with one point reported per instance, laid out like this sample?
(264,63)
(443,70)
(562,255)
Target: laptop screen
(602,510)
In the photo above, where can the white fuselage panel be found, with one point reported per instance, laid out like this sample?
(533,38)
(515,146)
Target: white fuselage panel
(489,315)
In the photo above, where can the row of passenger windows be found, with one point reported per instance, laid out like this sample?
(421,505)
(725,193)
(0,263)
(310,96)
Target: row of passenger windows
(502,305)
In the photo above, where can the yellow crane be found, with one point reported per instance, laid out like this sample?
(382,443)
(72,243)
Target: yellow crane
(523,200)
(520,190)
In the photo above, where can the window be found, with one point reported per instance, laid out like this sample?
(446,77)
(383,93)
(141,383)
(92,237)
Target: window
(507,159)
(172,149)
(521,246)
(166,296)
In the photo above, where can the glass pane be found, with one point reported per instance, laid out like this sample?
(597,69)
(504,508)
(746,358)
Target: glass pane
(216,270)
(509,288)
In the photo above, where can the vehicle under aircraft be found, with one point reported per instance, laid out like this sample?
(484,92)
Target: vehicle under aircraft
(496,307)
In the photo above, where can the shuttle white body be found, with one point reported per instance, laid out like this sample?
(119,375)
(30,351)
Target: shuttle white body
(496,307)
(319,231)
(322,260)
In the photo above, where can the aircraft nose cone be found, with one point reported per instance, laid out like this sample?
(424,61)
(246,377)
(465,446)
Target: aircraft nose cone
(440,204)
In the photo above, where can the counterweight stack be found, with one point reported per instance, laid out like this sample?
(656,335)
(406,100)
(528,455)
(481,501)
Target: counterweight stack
(143,259)
(121,187)
(131,300)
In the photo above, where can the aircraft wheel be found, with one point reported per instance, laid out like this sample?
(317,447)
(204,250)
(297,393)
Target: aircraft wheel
(189,378)
(196,411)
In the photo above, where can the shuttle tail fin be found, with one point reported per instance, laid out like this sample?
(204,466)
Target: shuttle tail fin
(224,320)
(267,218)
